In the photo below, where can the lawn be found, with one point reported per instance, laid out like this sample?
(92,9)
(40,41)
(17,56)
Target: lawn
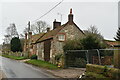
(14,57)
(42,64)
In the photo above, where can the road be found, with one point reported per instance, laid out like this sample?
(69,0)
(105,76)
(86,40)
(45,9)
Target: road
(17,69)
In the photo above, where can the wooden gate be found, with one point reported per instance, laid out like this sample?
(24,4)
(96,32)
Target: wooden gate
(47,46)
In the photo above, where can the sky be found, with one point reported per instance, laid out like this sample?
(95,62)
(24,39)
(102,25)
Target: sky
(101,13)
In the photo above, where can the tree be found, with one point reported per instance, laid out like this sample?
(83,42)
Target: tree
(117,38)
(15,44)
(72,45)
(92,30)
(38,27)
(11,32)
(91,42)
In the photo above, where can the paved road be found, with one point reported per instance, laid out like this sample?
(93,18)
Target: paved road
(16,69)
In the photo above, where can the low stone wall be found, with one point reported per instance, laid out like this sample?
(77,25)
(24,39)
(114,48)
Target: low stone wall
(103,70)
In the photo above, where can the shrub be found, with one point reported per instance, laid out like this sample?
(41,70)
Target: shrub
(72,45)
(57,57)
(80,62)
(34,56)
(15,45)
(105,71)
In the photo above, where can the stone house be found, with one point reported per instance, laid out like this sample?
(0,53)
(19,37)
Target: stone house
(48,45)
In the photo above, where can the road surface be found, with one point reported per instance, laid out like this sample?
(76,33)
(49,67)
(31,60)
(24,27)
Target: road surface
(17,69)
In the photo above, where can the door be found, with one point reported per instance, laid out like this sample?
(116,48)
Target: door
(47,46)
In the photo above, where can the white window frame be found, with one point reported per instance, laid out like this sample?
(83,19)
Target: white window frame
(61,37)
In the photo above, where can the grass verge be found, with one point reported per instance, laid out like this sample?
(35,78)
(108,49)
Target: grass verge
(14,57)
(42,64)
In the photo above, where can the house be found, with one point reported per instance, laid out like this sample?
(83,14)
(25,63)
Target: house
(48,45)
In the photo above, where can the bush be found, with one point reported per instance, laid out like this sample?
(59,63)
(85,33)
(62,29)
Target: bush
(15,45)
(57,57)
(33,56)
(80,62)
(72,45)
(105,71)
(91,42)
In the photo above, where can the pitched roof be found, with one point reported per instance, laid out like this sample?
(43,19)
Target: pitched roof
(36,37)
(111,43)
(50,34)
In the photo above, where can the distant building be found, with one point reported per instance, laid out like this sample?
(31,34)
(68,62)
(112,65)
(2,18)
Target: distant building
(47,45)
(111,44)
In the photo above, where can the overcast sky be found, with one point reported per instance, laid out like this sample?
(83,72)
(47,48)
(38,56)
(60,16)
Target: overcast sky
(103,14)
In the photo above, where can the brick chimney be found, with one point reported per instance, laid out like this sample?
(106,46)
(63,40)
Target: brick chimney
(70,17)
(25,44)
(48,29)
(25,36)
(30,35)
(56,24)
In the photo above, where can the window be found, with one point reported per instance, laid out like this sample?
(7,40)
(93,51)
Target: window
(61,37)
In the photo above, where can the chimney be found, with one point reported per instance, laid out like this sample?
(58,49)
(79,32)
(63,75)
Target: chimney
(56,24)
(25,36)
(48,29)
(30,35)
(70,16)
(25,45)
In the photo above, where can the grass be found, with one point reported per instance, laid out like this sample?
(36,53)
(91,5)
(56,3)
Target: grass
(42,64)
(14,57)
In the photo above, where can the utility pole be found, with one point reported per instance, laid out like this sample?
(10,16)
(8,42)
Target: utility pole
(28,26)
(28,39)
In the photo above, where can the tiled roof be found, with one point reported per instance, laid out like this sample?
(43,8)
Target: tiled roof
(111,43)
(36,37)
(50,34)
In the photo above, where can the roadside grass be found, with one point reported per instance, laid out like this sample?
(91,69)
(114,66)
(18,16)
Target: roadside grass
(42,64)
(14,57)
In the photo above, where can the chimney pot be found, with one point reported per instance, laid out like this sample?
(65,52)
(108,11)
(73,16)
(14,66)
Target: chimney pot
(48,29)
(26,36)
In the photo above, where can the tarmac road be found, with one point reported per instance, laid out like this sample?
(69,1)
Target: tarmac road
(17,69)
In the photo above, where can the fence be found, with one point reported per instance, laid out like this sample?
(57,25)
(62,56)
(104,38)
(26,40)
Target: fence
(79,58)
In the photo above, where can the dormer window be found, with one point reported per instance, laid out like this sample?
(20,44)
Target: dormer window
(61,37)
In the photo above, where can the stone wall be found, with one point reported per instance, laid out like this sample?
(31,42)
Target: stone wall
(72,32)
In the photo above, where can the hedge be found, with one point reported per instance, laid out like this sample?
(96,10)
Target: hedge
(105,71)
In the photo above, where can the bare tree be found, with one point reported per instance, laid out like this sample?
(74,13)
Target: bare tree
(25,30)
(7,39)
(41,26)
(92,30)
(11,32)
(38,27)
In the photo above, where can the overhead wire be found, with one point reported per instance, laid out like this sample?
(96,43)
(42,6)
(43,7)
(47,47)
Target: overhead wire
(48,11)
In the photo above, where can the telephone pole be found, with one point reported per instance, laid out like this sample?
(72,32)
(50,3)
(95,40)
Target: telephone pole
(28,26)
